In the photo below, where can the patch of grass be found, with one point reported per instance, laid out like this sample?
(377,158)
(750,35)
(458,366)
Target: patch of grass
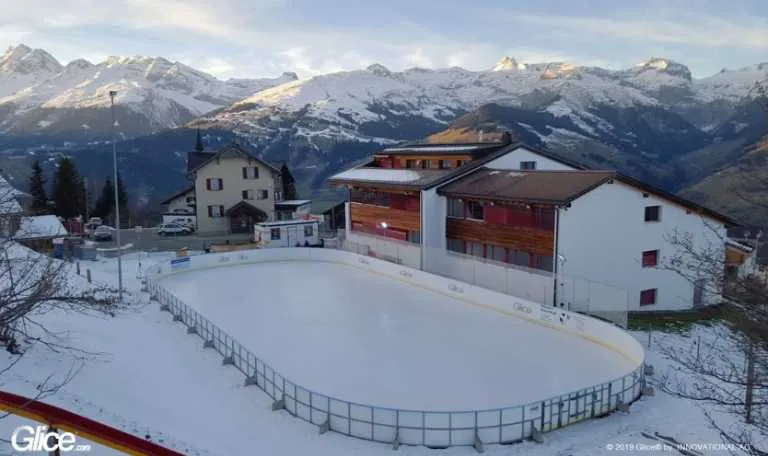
(678,321)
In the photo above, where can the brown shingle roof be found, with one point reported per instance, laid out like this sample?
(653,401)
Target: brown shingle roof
(556,187)
(195,159)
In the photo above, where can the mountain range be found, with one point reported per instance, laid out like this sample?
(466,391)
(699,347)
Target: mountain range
(653,121)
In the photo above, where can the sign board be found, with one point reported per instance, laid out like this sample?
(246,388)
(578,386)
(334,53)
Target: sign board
(181,263)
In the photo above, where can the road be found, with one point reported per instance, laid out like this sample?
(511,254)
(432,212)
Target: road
(148,240)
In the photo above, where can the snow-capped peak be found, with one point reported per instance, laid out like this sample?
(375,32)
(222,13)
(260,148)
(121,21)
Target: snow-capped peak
(379,70)
(508,63)
(78,64)
(664,65)
(23,59)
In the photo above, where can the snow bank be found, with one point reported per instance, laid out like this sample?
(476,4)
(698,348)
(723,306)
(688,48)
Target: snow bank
(41,226)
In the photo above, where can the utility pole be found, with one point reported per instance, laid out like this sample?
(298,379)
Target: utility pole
(85,190)
(112,95)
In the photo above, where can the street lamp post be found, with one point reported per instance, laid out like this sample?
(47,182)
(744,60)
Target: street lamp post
(112,95)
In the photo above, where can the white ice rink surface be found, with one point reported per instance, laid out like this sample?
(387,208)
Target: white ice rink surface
(367,338)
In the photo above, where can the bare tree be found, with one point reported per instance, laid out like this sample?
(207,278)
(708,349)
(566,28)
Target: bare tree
(33,284)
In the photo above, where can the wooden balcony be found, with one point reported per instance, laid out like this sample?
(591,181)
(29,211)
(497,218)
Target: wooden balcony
(374,215)
(535,240)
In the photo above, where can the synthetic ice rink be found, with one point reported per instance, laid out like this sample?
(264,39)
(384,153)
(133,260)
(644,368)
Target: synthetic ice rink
(371,339)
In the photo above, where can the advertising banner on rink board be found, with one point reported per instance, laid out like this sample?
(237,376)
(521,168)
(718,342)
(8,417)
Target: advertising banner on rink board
(181,263)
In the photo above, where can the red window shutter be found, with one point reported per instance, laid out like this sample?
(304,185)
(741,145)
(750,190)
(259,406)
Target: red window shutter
(648,297)
(650,258)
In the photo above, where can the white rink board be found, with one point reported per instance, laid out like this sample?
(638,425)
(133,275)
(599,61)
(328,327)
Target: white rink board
(331,324)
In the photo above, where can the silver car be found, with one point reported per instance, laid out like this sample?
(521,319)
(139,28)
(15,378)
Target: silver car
(173,229)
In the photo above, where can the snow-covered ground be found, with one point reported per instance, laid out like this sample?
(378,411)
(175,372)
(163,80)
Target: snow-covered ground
(371,339)
(143,374)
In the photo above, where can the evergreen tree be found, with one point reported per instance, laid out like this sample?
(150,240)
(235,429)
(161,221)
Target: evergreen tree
(122,199)
(105,203)
(68,197)
(39,205)
(289,183)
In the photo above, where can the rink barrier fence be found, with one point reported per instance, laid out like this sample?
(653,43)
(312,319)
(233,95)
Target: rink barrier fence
(437,429)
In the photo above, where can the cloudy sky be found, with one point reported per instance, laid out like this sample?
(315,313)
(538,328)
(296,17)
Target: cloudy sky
(259,38)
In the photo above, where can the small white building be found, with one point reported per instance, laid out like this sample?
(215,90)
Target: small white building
(289,233)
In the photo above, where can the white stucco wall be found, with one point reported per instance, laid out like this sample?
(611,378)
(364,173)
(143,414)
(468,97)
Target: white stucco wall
(512,161)
(229,169)
(603,234)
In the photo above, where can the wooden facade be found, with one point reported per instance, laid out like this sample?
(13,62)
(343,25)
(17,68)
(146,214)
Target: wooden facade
(371,216)
(535,240)
(422,161)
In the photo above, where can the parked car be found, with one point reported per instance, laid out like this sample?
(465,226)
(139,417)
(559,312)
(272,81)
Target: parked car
(171,229)
(102,233)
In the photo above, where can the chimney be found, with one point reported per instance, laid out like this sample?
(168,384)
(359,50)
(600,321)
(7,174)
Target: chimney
(506,138)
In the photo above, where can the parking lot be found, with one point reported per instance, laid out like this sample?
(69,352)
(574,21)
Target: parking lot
(147,239)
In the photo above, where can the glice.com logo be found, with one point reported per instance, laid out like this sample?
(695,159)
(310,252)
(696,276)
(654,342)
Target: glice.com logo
(28,439)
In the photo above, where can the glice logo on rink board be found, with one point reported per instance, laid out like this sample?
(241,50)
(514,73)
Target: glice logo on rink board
(28,439)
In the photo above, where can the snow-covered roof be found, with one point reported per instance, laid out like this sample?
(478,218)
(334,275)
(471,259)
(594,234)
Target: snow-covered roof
(738,245)
(390,175)
(292,202)
(41,226)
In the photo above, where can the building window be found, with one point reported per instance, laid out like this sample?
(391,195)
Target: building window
(476,249)
(444,164)
(190,200)
(426,164)
(278,195)
(455,208)
(497,253)
(652,213)
(648,297)
(369,197)
(475,210)
(414,237)
(309,231)
(214,184)
(461,162)
(278,180)
(528,165)
(543,262)
(274,234)
(519,258)
(250,172)
(263,194)
(410,163)
(215,211)
(650,258)
(247,194)
(456,245)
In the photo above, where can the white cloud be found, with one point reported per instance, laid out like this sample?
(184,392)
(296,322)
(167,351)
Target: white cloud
(262,38)
(695,30)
